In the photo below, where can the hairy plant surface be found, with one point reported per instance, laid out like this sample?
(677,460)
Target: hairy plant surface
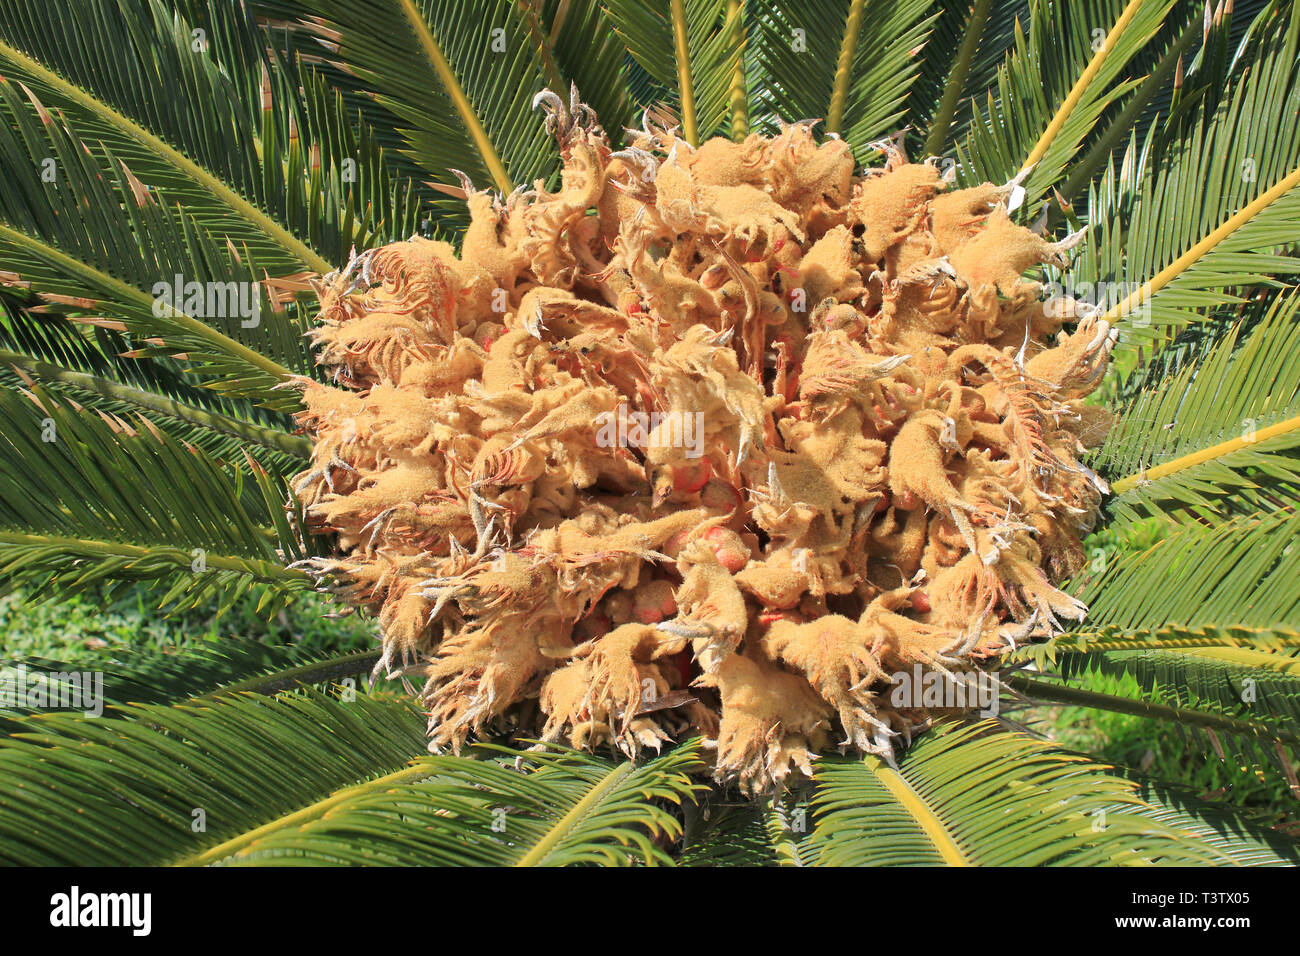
(716,438)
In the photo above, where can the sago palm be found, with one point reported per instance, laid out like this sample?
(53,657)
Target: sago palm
(337,295)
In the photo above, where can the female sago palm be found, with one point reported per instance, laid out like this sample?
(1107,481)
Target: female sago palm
(506,226)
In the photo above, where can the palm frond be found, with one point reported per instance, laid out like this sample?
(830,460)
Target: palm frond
(568,808)
(971,29)
(1236,572)
(208,157)
(850,63)
(92,363)
(771,832)
(1186,219)
(151,675)
(1059,79)
(459,79)
(1251,732)
(1136,116)
(972,795)
(88,497)
(1086,640)
(1232,682)
(1246,841)
(577,42)
(221,435)
(111,263)
(163,784)
(317,670)
(1221,431)
(688,47)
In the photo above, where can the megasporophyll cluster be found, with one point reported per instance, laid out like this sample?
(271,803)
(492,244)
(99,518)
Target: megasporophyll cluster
(886,471)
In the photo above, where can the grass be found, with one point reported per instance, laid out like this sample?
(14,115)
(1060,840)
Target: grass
(90,625)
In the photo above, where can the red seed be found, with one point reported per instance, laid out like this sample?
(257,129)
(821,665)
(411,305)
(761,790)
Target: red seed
(720,495)
(728,548)
(689,479)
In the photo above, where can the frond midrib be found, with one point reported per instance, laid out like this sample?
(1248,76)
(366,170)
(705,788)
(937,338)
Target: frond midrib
(230,198)
(263,569)
(456,93)
(1080,87)
(926,819)
(1212,453)
(272,439)
(566,823)
(129,293)
(1202,248)
(244,843)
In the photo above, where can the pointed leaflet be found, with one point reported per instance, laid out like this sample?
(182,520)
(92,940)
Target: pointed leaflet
(104,250)
(850,64)
(689,47)
(936,807)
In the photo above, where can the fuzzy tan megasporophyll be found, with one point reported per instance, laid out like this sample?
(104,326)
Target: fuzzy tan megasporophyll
(887,475)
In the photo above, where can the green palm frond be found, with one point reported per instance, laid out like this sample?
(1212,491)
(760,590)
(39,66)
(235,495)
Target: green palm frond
(372,202)
(1230,681)
(1205,720)
(851,63)
(308,777)
(153,675)
(970,795)
(1248,843)
(208,157)
(87,498)
(29,328)
(980,33)
(568,808)
(688,47)
(459,78)
(222,435)
(1133,116)
(771,832)
(91,364)
(1086,640)
(204,771)
(107,266)
(1236,681)
(1188,217)
(1223,429)
(577,44)
(322,669)
(1062,75)
(1238,572)
(343,183)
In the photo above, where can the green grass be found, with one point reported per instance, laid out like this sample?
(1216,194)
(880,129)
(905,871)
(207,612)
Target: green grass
(90,625)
